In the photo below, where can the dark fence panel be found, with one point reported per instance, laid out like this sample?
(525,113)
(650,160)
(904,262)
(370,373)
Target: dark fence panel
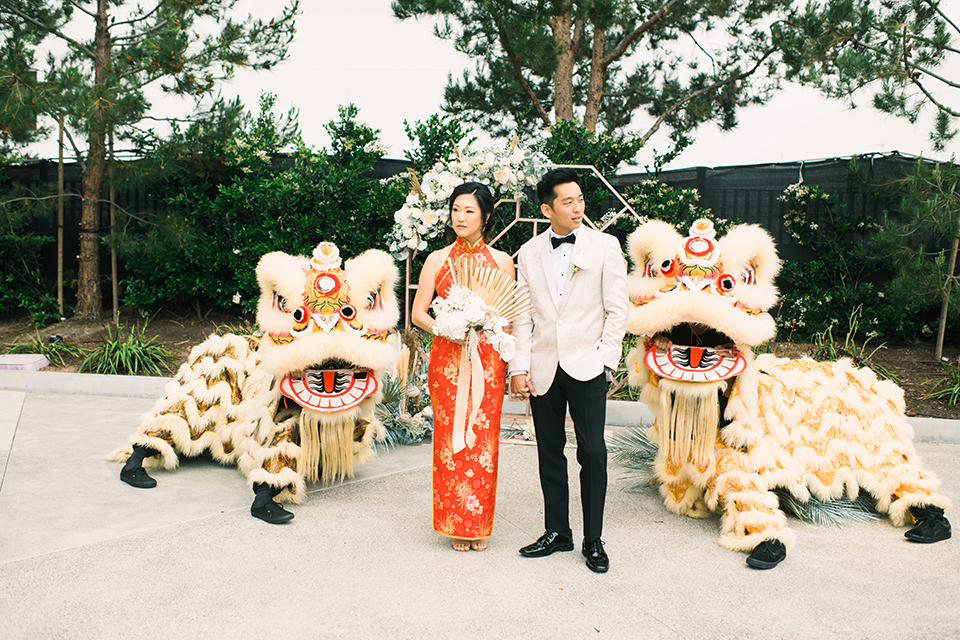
(751,193)
(42,175)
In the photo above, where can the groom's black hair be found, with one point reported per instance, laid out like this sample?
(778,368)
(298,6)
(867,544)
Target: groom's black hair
(552,178)
(484,198)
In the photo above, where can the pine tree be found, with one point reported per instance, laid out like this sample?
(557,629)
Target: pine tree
(897,48)
(919,238)
(599,62)
(99,84)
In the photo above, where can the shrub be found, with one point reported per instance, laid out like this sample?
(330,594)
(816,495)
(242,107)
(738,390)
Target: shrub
(22,283)
(835,281)
(882,272)
(203,248)
(654,200)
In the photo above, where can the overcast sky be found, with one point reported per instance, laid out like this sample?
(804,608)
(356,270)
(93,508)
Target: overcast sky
(355,51)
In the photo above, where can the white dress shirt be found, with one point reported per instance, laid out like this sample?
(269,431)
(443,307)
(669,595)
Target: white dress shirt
(560,259)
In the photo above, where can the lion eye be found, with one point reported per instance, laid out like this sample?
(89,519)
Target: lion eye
(726,283)
(279,302)
(669,268)
(301,321)
(373,301)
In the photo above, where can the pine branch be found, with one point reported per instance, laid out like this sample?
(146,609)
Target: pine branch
(82,9)
(76,149)
(939,105)
(936,7)
(938,77)
(705,52)
(713,87)
(138,36)
(634,35)
(518,72)
(145,16)
(53,31)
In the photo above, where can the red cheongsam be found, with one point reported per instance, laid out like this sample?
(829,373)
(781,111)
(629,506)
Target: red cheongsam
(465,481)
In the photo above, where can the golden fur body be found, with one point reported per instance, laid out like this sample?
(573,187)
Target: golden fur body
(228,398)
(815,429)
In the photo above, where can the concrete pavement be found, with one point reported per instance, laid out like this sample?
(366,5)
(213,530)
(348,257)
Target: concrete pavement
(83,555)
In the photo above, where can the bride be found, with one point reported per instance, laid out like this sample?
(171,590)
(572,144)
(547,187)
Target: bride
(464,452)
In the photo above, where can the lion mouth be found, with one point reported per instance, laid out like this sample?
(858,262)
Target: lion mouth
(693,352)
(334,385)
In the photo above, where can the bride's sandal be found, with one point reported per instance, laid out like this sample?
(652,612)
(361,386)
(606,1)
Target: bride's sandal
(479,545)
(460,545)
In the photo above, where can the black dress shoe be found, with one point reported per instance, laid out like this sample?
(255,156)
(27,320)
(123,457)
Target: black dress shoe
(767,555)
(597,560)
(931,525)
(546,544)
(137,477)
(271,512)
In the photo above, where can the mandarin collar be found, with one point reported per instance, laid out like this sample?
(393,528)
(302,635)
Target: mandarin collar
(466,248)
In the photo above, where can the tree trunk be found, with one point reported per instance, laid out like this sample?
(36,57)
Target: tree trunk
(566,38)
(89,297)
(89,300)
(598,75)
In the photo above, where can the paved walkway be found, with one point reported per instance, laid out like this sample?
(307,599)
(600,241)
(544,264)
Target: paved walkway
(83,555)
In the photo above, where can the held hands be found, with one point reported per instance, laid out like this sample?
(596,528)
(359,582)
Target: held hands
(520,386)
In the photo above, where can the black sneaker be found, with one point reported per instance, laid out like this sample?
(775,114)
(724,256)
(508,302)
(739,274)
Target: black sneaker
(138,478)
(931,525)
(271,512)
(767,555)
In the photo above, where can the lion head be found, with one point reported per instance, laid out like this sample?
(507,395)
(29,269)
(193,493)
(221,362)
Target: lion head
(700,303)
(707,297)
(327,326)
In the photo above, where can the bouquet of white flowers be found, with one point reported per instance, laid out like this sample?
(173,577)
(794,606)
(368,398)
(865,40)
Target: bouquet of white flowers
(463,311)
(481,299)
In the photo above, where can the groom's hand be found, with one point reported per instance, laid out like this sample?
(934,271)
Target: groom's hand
(520,386)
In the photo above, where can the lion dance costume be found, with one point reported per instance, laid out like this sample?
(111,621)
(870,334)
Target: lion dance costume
(731,428)
(294,405)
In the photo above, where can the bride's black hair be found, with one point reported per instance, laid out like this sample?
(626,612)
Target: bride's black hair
(484,198)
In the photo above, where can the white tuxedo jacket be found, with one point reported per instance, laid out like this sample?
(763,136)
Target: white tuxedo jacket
(584,332)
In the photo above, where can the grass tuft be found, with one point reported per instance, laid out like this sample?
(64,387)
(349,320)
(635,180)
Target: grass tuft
(950,384)
(129,354)
(54,350)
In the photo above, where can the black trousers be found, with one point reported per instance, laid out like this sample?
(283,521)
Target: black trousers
(588,408)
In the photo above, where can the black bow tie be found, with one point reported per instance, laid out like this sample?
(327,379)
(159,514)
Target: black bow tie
(559,241)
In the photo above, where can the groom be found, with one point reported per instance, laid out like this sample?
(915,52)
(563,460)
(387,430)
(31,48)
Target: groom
(577,281)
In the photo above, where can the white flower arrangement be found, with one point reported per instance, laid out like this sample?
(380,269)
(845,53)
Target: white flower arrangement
(463,311)
(507,170)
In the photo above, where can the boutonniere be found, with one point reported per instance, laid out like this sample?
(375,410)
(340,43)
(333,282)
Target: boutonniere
(579,261)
